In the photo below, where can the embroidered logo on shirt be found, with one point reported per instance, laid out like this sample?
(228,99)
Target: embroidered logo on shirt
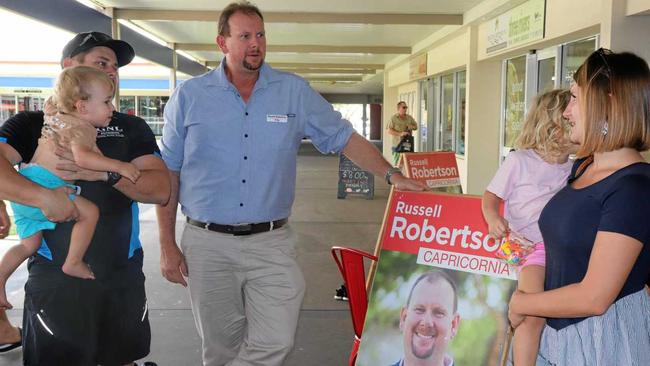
(277,118)
(110,131)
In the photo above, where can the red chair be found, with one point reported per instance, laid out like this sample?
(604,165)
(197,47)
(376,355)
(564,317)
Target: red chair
(350,263)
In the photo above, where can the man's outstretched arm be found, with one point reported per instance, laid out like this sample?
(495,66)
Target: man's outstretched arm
(367,157)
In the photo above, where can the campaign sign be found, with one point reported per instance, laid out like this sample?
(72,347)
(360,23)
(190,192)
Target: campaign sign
(354,180)
(438,170)
(439,294)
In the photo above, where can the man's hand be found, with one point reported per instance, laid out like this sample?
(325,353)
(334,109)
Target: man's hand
(5,222)
(56,205)
(405,184)
(129,171)
(515,318)
(172,264)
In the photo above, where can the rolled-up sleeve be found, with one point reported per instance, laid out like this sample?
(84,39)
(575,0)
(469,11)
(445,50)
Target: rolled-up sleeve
(326,128)
(173,137)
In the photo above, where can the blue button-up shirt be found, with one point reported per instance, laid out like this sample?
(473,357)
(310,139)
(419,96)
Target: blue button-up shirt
(237,160)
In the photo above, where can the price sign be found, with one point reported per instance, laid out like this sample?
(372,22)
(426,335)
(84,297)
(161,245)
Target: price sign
(353,180)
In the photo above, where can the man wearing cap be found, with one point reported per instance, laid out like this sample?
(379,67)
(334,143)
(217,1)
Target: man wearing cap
(401,124)
(69,321)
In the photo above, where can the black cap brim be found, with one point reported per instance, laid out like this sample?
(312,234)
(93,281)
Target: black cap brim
(123,51)
(88,40)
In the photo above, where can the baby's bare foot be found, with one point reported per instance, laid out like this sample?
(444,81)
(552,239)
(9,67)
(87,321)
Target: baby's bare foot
(4,303)
(79,270)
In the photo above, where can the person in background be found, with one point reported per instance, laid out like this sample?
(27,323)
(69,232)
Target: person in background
(10,336)
(231,139)
(401,124)
(526,181)
(595,229)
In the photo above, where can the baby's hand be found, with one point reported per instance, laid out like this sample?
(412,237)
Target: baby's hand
(129,171)
(498,227)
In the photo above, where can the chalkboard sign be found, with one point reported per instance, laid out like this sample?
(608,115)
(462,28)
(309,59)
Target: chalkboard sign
(353,180)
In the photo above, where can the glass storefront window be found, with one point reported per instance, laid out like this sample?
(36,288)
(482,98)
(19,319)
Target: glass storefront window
(447,118)
(514,98)
(573,55)
(460,104)
(8,107)
(434,112)
(151,109)
(151,106)
(352,113)
(424,115)
(30,103)
(127,105)
(546,74)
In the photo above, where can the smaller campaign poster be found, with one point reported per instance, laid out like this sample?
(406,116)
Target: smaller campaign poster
(437,169)
(439,295)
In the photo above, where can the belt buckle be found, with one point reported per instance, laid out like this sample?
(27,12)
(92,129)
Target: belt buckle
(242,229)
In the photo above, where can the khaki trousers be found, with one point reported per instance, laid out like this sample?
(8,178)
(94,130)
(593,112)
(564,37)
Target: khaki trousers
(246,293)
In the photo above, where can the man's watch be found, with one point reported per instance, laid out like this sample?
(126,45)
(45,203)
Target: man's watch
(390,173)
(112,178)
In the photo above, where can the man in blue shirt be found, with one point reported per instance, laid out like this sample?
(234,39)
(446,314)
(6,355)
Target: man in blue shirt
(231,138)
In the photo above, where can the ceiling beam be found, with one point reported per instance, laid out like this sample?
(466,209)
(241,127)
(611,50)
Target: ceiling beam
(288,65)
(296,17)
(326,65)
(333,78)
(328,71)
(378,50)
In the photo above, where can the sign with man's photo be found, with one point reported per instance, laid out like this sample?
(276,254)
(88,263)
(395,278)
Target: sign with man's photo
(440,294)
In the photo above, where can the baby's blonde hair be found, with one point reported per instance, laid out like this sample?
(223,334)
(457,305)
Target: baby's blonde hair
(545,130)
(72,85)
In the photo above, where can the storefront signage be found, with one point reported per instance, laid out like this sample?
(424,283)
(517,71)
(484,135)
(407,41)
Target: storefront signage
(418,67)
(522,24)
(28,91)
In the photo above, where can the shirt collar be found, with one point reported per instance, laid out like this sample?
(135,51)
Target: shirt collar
(448,361)
(218,76)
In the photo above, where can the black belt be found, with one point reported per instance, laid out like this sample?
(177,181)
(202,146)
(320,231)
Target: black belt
(243,229)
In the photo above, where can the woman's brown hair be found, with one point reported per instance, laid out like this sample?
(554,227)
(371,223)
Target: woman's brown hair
(614,103)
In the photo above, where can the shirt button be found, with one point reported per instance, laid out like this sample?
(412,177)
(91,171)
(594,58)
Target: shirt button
(245,157)
(243,180)
(241,205)
(247,113)
(246,135)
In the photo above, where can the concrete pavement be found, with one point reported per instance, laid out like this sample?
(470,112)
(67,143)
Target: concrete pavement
(321,220)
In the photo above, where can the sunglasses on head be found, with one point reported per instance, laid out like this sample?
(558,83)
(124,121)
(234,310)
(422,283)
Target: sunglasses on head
(97,37)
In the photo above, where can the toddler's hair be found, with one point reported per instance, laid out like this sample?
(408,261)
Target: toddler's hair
(545,130)
(72,85)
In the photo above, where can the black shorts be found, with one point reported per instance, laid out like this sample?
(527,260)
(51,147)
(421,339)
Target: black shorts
(70,321)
